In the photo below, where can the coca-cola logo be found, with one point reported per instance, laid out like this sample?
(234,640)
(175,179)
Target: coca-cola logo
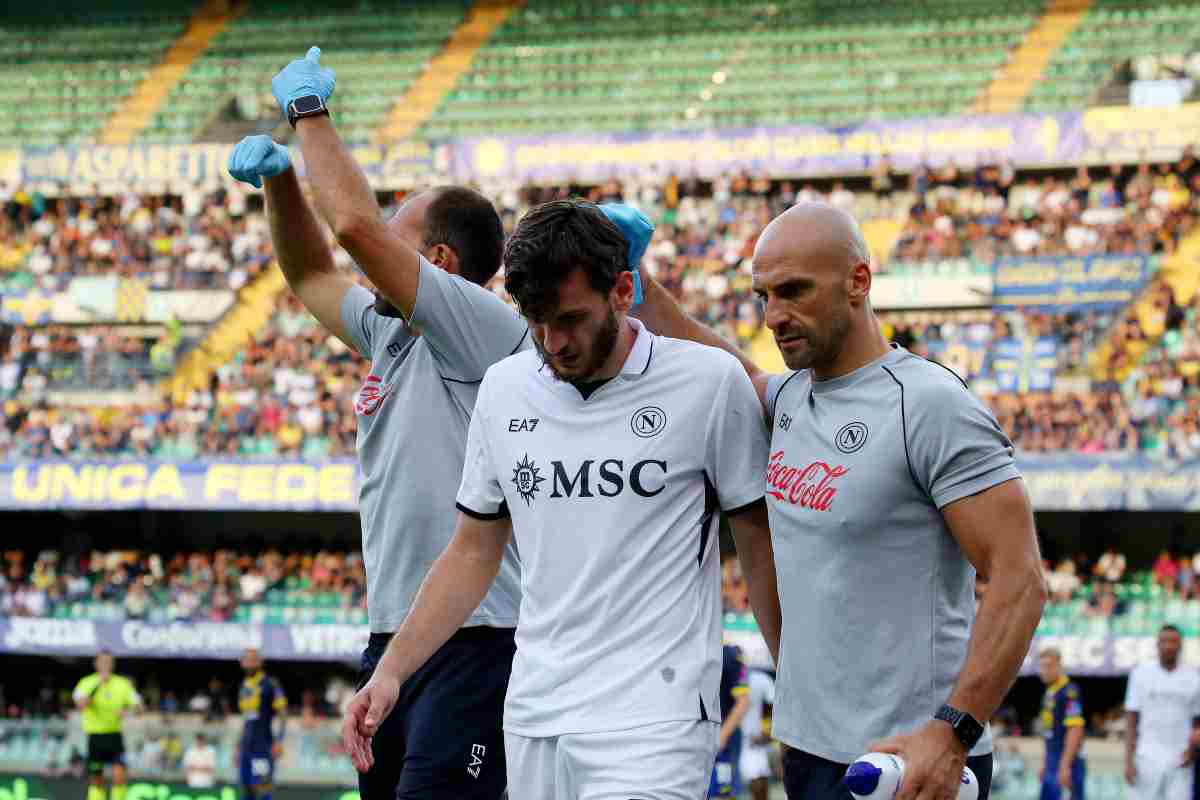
(807,487)
(371,395)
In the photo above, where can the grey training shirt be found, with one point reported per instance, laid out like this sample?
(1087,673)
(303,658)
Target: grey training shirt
(413,413)
(878,600)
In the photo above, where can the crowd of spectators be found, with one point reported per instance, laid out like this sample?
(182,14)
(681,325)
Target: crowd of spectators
(1102,580)
(185,586)
(989,212)
(291,392)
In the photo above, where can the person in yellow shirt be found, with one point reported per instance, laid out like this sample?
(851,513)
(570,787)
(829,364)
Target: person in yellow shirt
(105,699)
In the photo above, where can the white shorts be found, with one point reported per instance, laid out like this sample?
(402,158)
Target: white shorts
(754,763)
(1159,780)
(664,761)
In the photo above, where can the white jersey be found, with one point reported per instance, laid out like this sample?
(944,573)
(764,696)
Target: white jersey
(614,503)
(1166,701)
(762,691)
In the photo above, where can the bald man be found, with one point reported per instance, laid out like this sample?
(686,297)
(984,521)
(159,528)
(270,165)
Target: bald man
(889,486)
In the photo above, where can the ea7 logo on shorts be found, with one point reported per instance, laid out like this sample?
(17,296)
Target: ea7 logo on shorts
(851,437)
(648,421)
(478,751)
(526,477)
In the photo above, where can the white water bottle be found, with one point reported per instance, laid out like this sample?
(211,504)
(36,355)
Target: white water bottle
(877,776)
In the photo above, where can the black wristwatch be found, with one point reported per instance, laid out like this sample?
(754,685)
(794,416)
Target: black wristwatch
(310,105)
(966,728)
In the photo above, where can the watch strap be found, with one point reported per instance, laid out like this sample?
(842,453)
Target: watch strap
(966,728)
(293,114)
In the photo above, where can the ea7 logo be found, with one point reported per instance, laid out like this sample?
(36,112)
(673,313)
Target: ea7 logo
(478,751)
(518,425)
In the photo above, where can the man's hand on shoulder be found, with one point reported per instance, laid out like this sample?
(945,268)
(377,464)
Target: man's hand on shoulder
(303,77)
(258,157)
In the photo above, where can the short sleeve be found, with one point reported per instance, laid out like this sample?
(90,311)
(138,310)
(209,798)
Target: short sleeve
(736,452)
(468,328)
(364,325)
(1073,707)
(1133,698)
(278,699)
(956,447)
(479,494)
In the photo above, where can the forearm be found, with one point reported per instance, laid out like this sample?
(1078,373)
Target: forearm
(454,587)
(732,722)
(758,565)
(661,313)
(1005,623)
(1131,734)
(279,727)
(296,234)
(340,189)
(1072,744)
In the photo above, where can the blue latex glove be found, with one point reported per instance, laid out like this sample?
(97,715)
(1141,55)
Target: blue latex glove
(637,230)
(304,76)
(258,157)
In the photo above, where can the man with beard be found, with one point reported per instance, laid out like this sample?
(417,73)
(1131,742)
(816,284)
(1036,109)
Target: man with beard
(890,486)
(606,455)
(264,714)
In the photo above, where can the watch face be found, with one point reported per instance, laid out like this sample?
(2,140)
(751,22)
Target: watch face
(307,104)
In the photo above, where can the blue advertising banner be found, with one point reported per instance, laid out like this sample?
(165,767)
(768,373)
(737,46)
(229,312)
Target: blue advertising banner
(217,640)
(1060,482)
(198,163)
(1025,365)
(209,485)
(1053,283)
(796,149)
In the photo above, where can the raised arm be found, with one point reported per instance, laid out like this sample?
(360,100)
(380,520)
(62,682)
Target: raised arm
(299,241)
(454,587)
(340,190)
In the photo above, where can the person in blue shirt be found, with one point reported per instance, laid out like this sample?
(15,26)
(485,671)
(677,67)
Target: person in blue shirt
(735,699)
(1061,724)
(263,706)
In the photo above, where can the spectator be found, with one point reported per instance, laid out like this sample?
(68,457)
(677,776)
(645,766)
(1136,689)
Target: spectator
(1063,581)
(200,764)
(1110,566)
(1166,571)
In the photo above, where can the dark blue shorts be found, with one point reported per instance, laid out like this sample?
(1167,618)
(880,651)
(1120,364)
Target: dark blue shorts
(726,780)
(444,740)
(808,777)
(256,767)
(1050,788)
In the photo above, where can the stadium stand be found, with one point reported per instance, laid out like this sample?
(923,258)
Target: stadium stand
(1112,31)
(682,65)
(379,49)
(62,78)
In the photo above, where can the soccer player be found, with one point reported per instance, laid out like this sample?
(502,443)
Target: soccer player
(735,699)
(755,764)
(430,334)
(1061,723)
(105,698)
(606,456)
(1162,716)
(263,706)
(889,487)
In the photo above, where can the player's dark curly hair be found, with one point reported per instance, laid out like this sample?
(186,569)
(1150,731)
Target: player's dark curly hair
(550,242)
